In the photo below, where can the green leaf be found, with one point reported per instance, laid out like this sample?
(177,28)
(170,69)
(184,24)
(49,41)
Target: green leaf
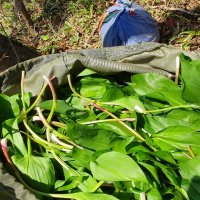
(38,172)
(119,144)
(112,92)
(92,87)
(190,172)
(178,137)
(154,194)
(86,72)
(115,166)
(45,37)
(88,185)
(10,130)
(90,137)
(70,184)
(157,87)
(81,157)
(5,108)
(169,173)
(61,106)
(190,169)
(16,104)
(129,102)
(164,155)
(115,127)
(76,102)
(152,170)
(87,116)
(190,118)
(190,72)
(90,196)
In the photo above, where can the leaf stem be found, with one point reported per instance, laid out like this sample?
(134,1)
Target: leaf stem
(171,108)
(189,148)
(47,125)
(97,186)
(54,97)
(137,135)
(40,140)
(62,125)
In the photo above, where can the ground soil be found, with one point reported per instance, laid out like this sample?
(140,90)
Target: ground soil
(61,29)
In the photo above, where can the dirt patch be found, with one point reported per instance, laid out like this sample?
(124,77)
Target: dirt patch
(68,25)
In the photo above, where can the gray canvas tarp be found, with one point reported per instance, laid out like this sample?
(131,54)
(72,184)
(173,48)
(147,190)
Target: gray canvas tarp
(141,58)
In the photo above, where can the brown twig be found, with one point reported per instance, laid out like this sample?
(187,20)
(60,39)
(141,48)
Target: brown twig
(20,8)
(174,9)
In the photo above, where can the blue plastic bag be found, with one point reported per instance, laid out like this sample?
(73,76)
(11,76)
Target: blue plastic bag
(128,23)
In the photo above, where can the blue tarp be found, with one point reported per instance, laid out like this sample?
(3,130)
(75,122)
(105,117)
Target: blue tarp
(127,24)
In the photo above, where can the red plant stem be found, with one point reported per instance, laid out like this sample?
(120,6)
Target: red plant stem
(5,150)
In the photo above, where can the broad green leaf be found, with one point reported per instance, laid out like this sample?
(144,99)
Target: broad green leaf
(112,92)
(178,137)
(178,195)
(128,102)
(61,106)
(88,116)
(157,87)
(90,196)
(190,118)
(143,156)
(152,170)
(115,166)
(115,127)
(169,173)
(88,136)
(92,87)
(70,184)
(6,111)
(190,169)
(81,157)
(16,104)
(38,172)
(10,130)
(76,102)
(190,172)
(86,72)
(119,144)
(154,194)
(88,185)
(164,155)
(190,72)
(138,148)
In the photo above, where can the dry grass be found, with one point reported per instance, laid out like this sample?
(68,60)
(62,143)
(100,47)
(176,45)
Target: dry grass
(63,25)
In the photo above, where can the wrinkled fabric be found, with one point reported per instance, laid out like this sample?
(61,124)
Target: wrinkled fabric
(155,57)
(128,23)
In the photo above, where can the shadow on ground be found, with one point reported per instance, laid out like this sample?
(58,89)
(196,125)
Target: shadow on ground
(181,29)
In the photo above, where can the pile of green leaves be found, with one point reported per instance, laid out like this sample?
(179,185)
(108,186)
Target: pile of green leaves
(107,139)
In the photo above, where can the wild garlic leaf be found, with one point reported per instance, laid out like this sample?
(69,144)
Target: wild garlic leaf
(190,73)
(178,137)
(115,166)
(157,87)
(37,171)
(11,131)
